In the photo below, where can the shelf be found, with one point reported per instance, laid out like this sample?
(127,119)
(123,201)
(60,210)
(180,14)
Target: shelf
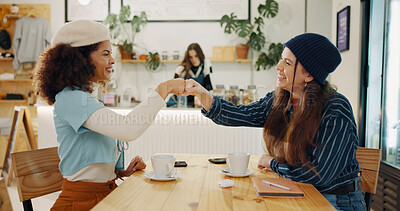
(132,61)
(24,101)
(143,61)
(171,61)
(6,59)
(13,16)
(16,81)
(179,61)
(235,60)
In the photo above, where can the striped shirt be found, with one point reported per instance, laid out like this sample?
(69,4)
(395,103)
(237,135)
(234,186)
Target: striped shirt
(334,156)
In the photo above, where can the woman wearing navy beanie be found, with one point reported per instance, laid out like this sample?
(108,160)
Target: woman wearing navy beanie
(309,128)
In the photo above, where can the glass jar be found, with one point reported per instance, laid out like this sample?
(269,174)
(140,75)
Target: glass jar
(182,101)
(175,55)
(219,91)
(233,95)
(249,95)
(164,55)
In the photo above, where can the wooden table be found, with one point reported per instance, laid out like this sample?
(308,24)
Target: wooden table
(197,189)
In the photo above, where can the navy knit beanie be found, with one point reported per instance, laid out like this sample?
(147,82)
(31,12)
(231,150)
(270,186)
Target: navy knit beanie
(316,53)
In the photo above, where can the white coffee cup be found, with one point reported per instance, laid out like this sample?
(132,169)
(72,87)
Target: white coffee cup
(163,165)
(238,162)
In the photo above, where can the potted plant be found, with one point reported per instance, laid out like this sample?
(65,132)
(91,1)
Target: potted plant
(152,61)
(254,36)
(123,30)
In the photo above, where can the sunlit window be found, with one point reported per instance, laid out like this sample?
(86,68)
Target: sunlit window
(391,130)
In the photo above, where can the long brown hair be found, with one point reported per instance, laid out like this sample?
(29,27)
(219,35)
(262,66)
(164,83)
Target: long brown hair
(64,66)
(287,139)
(186,62)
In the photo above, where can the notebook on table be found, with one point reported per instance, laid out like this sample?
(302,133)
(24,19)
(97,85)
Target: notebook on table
(266,190)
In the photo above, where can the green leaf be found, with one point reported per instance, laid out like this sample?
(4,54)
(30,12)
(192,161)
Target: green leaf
(139,22)
(257,41)
(121,35)
(244,28)
(124,13)
(274,52)
(127,46)
(153,60)
(230,23)
(269,10)
(259,21)
(261,61)
(271,59)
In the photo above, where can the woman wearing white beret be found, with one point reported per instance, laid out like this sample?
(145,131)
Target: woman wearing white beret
(90,150)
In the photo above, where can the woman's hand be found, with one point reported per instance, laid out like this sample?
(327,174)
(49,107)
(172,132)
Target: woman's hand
(194,88)
(175,86)
(264,161)
(136,164)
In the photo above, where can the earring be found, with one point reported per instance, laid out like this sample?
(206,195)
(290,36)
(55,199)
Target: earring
(305,85)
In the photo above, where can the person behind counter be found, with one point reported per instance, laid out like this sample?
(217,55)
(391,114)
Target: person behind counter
(91,158)
(196,67)
(309,128)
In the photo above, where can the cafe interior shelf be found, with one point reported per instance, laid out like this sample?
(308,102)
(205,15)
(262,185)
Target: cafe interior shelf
(179,61)
(6,59)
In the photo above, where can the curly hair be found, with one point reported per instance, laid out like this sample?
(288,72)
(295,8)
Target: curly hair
(64,66)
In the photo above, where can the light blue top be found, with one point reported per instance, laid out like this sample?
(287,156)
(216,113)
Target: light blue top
(79,146)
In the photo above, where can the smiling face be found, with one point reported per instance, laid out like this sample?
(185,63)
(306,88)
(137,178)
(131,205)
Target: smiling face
(285,69)
(194,58)
(103,62)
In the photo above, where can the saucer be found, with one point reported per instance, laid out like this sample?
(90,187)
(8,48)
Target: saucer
(175,175)
(226,172)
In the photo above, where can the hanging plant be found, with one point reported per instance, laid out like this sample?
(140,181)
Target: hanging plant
(152,61)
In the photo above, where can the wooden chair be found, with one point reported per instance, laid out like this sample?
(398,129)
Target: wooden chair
(369,160)
(37,174)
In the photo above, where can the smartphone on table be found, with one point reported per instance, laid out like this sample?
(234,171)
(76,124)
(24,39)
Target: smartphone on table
(217,160)
(180,164)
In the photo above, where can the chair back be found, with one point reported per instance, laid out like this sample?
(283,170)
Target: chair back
(37,172)
(369,161)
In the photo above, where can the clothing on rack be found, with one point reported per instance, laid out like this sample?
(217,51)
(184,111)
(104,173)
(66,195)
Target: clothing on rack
(31,37)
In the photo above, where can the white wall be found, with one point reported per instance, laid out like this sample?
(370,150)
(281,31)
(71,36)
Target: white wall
(319,17)
(347,76)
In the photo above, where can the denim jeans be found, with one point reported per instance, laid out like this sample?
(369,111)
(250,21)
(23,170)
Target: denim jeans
(350,201)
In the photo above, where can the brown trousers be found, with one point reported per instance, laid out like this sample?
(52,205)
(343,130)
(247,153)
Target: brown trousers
(82,195)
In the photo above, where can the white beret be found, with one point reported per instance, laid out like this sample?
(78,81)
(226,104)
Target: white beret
(81,32)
